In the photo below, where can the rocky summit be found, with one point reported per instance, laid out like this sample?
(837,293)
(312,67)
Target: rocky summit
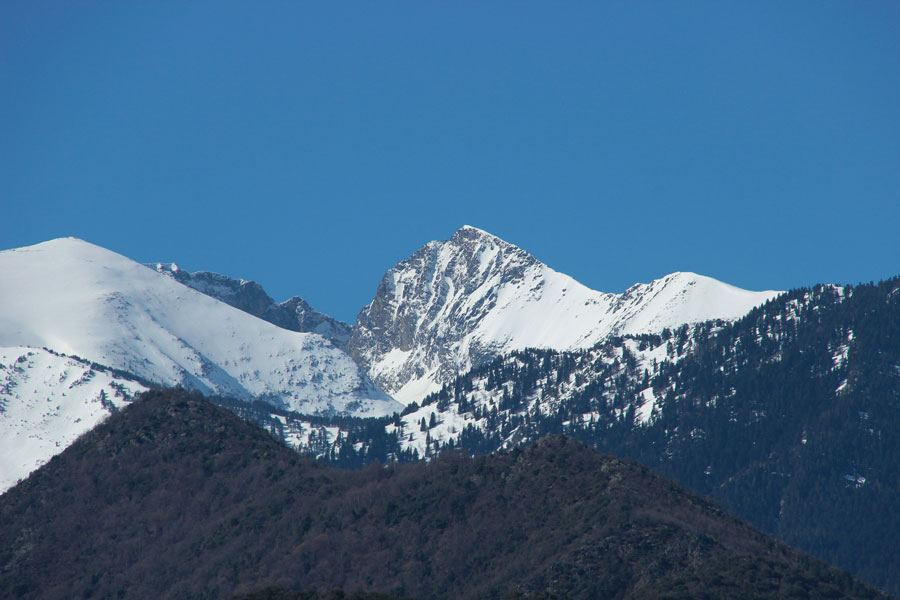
(458,303)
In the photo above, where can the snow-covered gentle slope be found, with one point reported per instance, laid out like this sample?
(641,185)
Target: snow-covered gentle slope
(79,299)
(681,298)
(458,303)
(46,402)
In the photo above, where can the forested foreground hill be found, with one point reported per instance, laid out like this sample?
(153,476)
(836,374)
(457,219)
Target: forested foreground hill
(174,497)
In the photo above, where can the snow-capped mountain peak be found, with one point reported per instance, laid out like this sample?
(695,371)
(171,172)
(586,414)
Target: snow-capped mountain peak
(457,303)
(682,297)
(83,300)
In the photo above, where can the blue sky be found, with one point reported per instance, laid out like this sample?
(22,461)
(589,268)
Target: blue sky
(311,145)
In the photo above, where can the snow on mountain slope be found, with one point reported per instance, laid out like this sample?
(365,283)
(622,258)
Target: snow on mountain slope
(294,314)
(681,298)
(46,402)
(80,299)
(456,304)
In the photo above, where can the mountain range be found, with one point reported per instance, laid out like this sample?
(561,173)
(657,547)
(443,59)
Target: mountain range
(456,304)
(779,406)
(81,300)
(453,305)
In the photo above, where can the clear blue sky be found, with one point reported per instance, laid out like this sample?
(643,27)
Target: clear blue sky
(311,145)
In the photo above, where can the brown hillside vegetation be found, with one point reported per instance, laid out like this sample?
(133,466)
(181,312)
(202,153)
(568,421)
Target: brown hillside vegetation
(176,498)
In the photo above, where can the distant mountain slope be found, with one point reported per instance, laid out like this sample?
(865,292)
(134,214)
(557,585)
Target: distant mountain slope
(80,299)
(456,304)
(175,498)
(47,401)
(294,314)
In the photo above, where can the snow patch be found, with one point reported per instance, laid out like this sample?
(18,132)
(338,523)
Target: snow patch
(645,411)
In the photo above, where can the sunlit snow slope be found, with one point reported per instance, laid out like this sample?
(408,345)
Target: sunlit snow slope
(79,299)
(458,303)
(294,314)
(46,402)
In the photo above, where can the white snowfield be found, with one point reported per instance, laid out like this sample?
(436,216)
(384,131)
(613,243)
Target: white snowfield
(46,402)
(79,299)
(458,303)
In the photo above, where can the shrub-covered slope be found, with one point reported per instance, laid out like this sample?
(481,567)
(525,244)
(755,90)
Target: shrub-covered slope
(176,498)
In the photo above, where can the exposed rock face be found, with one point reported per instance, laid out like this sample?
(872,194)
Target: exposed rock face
(458,303)
(294,314)
(303,317)
(419,325)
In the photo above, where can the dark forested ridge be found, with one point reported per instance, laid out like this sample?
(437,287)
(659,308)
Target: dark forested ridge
(274,593)
(176,498)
